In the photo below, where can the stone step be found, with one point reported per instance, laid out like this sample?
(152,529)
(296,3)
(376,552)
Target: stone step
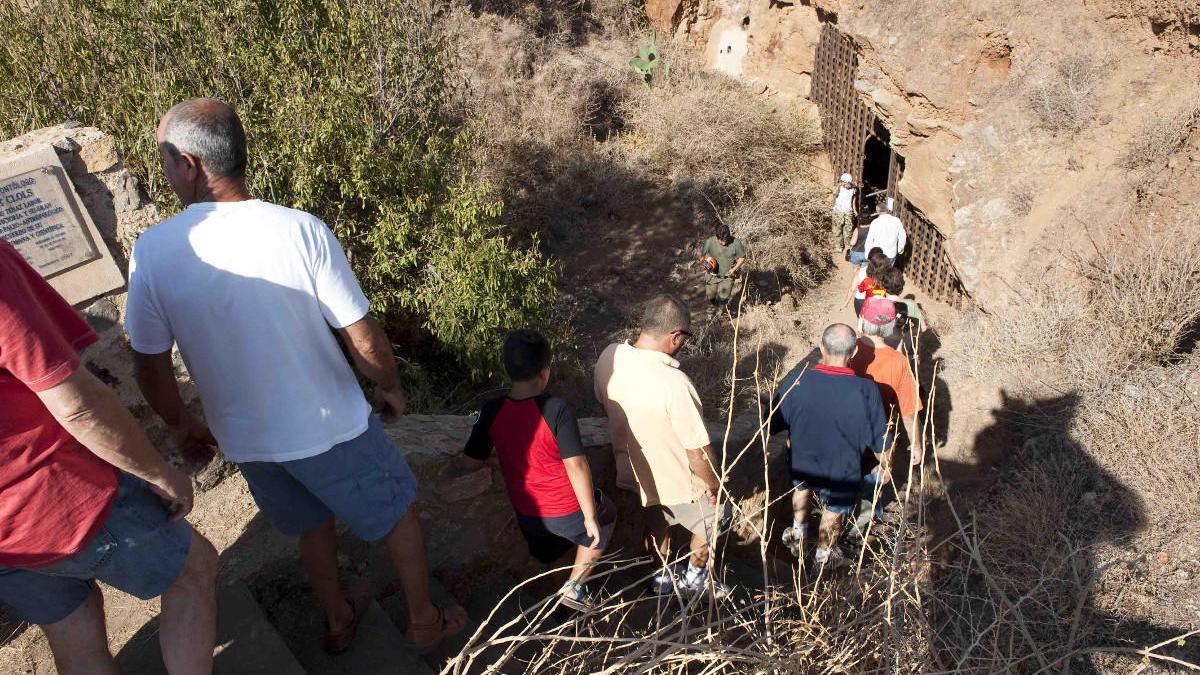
(397,610)
(378,649)
(246,641)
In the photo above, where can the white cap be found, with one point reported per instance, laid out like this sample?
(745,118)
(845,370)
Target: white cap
(846,178)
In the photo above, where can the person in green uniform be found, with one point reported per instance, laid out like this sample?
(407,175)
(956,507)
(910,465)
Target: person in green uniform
(730,256)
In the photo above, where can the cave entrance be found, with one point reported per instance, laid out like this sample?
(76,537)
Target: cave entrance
(877,160)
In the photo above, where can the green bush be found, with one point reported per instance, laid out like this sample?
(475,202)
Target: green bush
(348,108)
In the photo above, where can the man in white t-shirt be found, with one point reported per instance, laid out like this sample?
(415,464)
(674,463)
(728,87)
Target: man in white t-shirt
(886,233)
(842,216)
(252,293)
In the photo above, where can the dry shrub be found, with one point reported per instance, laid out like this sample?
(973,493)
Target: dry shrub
(710,357)
(1128,306)
(567,22)
(745,157)
(1146,432)
(1022,195)
(706,128)
(1102,433)
(785,223)
(1160,137)
(540,107)
(1068,97)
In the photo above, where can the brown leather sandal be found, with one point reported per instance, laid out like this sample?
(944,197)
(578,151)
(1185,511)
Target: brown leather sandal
(448,623)
(336,643)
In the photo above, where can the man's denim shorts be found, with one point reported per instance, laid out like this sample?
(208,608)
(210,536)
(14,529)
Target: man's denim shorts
(136,551)
(840,503)
(363,481)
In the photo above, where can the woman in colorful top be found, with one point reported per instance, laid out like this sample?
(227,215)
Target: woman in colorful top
(866,280)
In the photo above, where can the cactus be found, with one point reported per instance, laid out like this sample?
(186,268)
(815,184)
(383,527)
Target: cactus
(647,59)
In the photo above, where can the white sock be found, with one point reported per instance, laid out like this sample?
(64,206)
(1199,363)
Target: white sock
(800,528)
(694,573)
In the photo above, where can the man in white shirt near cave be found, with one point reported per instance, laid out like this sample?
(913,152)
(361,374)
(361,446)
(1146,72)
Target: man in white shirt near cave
(887,232)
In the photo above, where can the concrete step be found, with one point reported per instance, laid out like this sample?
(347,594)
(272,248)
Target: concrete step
(246,641)
(378,649)
(397,609)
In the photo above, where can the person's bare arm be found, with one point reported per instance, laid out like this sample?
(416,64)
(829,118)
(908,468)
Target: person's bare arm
(910,427)
(580,475)
(702,463)
(853,287)
(460,466)
(155,376)
(371,351)
(737,266)
(93,414)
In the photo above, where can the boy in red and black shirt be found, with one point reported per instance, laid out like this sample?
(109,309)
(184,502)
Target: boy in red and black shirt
(545,470)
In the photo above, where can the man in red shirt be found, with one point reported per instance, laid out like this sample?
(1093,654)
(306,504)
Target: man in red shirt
(84,496)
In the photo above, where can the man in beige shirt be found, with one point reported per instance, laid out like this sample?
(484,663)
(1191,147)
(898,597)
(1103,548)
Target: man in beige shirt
(660,441)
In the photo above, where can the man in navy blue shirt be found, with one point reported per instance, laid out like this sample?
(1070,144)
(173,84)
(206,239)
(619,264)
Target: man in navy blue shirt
(832,418)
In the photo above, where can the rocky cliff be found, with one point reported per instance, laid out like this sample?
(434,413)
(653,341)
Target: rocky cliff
(1023,124)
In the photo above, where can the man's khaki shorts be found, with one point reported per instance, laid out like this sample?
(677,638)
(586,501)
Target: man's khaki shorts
(699,518)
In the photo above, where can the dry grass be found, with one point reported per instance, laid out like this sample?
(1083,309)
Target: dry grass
(1104,412)
(1067,97)
(707,129)
(572,135)
(1161,136)
(1125,308)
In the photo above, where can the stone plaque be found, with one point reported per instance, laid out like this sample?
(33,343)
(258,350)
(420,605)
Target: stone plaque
(44,225)
(41,215)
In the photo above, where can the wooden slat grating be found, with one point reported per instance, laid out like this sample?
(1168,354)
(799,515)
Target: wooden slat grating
(848,123)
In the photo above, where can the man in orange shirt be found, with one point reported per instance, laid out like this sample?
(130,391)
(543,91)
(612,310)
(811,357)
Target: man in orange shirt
(890,371)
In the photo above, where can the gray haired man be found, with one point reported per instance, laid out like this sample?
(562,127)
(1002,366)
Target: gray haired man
(250,291)
(832,418)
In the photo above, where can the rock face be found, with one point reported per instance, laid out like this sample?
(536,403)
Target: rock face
(121,211)
(1013,137)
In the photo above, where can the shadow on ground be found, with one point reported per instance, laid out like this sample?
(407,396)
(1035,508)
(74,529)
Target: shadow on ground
(1038,508)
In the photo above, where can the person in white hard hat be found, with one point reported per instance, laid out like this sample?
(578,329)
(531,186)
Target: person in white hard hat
(844,207)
